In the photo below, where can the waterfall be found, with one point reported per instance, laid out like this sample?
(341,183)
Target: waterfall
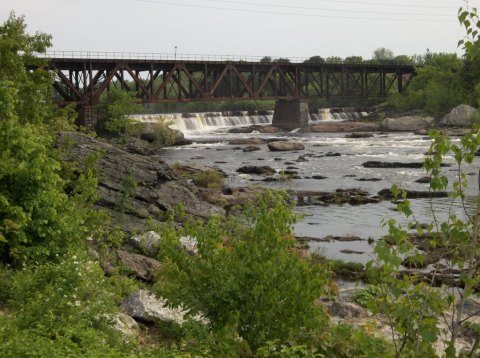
(210,121)
(337,114)
(207,121)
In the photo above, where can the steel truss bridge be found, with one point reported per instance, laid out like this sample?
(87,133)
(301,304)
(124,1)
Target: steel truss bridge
(83,81)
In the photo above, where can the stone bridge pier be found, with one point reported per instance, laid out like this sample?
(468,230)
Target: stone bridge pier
(87,116)
(290,114)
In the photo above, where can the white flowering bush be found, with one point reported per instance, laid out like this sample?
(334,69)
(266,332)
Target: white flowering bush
(60,308)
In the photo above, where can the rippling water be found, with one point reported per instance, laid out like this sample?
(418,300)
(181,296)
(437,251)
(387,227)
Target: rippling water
(342,171)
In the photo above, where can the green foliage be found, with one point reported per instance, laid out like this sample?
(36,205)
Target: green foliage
(211,179)
(163,134)
(61,309)
(353,59)
(18,50)
(382,54)
(412,307)
(246,275)
(37,220)
(469,19)
(315,60)
(115,121)
(437,87)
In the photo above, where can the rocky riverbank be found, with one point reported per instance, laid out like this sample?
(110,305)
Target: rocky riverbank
(137,188)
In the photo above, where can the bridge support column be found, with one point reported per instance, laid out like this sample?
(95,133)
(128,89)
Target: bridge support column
(87,117)
(290,114)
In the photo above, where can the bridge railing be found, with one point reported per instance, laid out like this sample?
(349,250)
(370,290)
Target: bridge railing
(163,56)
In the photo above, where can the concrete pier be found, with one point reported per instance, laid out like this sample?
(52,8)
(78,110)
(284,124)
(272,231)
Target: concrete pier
(290,114)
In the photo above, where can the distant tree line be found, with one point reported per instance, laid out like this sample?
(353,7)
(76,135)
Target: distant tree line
(381,55)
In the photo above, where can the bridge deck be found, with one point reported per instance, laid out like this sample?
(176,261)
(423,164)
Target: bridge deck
(83,81)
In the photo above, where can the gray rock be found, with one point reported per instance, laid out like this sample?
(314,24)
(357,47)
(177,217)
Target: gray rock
(346,310)
(140,266)
(406,124)
(281,146)
(190,244)
(133,187)
(254,169)
(126,325)
(146,243)
(144,306)
(461,116)
(251,148)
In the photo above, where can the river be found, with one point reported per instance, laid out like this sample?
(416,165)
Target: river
(330,155)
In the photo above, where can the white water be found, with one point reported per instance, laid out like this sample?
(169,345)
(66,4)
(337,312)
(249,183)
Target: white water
(211,121)
(206,121)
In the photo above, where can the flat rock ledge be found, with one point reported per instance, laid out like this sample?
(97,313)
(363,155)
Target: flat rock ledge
(151,186)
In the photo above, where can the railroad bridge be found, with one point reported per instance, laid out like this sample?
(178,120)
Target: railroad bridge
(83,80)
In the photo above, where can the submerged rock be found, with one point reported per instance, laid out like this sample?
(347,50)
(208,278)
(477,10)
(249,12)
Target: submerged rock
(340,196)
(414,194)
(411,165)
(357,135)
(253,169)
(251,148)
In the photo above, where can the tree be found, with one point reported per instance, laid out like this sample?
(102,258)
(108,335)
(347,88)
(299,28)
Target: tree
(334,59)
(353,59)
(266,59)
(18,52)
(315,60)
(403,60)
(382,54)
(437,87)
(38,219)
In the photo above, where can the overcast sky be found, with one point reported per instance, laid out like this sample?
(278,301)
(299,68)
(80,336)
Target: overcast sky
(300,28)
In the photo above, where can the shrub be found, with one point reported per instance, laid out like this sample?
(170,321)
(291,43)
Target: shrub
(211,179)
(60,309)
(247,275)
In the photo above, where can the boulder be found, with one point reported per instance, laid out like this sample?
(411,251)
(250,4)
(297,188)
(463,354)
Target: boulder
(346,310)
(461,116)
(281,146)
(126,325)
(144,306)
(189,243)
(146,243)
(142,267)
(406,123)
(164,136)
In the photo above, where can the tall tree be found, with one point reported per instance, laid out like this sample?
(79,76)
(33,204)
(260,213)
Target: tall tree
(19,53)
(382,54)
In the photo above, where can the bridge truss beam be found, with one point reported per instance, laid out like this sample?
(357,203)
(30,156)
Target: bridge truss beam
(85,81)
